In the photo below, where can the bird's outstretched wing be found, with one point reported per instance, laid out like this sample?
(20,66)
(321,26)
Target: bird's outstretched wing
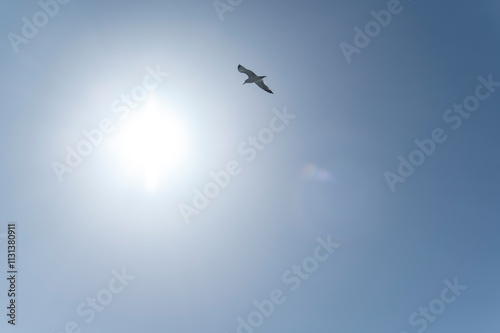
(246,71)
(261,84)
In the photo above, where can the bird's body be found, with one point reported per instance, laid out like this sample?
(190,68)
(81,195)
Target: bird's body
(252,78)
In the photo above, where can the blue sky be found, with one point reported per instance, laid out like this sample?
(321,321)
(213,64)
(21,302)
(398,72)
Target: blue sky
(322,175)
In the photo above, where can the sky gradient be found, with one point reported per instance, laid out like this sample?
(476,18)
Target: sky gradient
(322,175)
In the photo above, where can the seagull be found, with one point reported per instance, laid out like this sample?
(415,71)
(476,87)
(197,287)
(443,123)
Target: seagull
(252,78)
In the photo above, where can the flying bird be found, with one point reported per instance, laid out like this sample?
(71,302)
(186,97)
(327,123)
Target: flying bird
(252,78)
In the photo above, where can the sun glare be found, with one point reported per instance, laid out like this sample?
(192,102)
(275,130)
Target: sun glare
(152,144)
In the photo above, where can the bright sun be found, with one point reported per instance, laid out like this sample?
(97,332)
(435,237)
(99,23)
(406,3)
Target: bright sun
(152,144)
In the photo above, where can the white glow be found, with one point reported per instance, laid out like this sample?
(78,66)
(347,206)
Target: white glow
(151,144)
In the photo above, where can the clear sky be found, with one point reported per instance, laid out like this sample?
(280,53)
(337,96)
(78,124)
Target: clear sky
(319,158)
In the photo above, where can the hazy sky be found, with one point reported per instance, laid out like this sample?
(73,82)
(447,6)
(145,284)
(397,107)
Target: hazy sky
(364,144)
